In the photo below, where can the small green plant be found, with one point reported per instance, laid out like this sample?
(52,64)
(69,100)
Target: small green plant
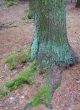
(25,76)
(11,60)
(18,57)
(43,95)
(2,91)
(30,16)
(10,3)
(25,18)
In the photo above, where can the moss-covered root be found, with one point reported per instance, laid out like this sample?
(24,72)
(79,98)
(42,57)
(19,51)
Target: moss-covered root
(25,76)
(43,96)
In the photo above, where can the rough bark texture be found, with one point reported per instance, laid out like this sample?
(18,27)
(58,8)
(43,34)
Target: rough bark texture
(78,4)
(50,44)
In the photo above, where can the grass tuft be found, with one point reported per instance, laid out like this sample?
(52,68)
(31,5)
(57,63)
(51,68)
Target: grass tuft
(11,60)
(28,16)
(43,95)
(18,57)
(10,3)
(25,18)
(2,91)
(25,76)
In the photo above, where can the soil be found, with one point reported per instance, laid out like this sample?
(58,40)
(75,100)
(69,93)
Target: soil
(14,34)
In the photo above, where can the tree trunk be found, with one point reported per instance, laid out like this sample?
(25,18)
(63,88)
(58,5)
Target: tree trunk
(50,44)
(78,4)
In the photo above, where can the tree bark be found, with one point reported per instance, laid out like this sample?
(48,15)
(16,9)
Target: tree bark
(50,44)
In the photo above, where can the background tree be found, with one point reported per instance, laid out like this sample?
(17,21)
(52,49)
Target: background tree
(78,4)
(31,9)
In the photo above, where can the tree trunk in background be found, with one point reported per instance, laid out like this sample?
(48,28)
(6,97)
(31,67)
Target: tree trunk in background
(78,4)
(50,44)
(31,9)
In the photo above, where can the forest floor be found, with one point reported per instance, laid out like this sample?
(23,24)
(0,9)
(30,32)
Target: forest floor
(14,34)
